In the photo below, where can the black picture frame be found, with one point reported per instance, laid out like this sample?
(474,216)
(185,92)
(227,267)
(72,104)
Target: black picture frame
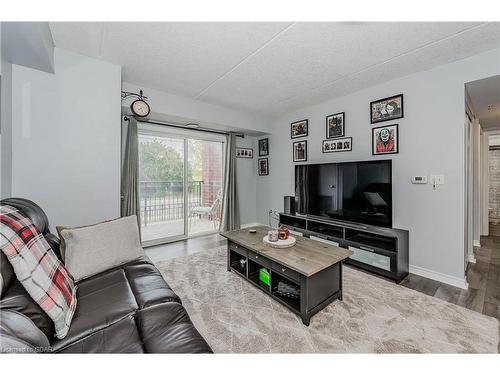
(328,135)
(329,149)
(399,115)
(244,153)
(296,123)
(265,162)
(296,160)
(264,141)
(396,148)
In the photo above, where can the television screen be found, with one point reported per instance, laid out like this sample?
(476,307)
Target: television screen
(352,191)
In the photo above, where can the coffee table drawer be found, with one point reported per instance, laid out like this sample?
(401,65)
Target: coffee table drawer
(237,248)
(291,274)
(257,258)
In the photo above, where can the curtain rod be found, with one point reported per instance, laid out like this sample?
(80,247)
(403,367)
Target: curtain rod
(205,130)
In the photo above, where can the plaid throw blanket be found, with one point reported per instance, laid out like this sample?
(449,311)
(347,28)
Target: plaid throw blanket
(37,267)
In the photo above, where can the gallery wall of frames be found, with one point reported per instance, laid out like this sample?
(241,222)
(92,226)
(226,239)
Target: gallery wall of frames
(385,138)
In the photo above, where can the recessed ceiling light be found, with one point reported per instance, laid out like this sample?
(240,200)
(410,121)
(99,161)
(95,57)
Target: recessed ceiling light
(192,125)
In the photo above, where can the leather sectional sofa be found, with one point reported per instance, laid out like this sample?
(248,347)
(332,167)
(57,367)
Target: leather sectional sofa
(127,309)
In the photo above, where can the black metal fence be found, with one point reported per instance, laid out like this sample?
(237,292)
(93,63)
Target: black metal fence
(164,200)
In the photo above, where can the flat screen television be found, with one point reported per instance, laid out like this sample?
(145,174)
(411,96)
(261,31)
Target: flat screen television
(352,191)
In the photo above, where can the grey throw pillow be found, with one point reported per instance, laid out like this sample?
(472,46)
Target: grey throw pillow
(96,248)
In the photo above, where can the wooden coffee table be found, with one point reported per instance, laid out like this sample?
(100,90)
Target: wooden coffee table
(312,269)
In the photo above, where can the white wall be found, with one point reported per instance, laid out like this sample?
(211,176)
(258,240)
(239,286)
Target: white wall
(179,109)
(5,121)
(484,184)
(66,138)
(246,174)
(476,177)
(431,142)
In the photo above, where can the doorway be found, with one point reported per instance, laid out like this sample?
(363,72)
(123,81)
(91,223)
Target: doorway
(181,182)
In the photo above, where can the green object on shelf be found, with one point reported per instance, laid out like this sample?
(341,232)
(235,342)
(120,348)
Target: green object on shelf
(264,276)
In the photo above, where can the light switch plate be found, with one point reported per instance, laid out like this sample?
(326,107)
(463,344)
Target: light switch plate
(437,179)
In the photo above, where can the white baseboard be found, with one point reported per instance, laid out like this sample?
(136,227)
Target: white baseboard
(476,243)
(441,277)
(472,258)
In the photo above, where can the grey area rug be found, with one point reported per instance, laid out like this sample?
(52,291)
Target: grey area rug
(375,316)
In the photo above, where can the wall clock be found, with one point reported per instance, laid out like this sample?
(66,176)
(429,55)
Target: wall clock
(140,108)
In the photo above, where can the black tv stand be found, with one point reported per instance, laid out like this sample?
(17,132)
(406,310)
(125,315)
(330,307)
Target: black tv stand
(383,251)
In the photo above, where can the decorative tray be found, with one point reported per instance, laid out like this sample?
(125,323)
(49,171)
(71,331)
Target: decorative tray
(280,244)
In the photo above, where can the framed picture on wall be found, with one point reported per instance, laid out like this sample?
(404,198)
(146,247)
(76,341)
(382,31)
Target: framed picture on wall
(337,145)
(263,166)
(386,109)
(385,140)
(300,151)
(335,125)
(264,147)
(299,129)
(242,152)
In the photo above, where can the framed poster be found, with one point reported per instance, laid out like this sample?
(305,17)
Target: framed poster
(335,125)
(337,145)
(263,166)
(385,140)
(386,109)
(300,151)
(264,147)
(299,129)
(242,152)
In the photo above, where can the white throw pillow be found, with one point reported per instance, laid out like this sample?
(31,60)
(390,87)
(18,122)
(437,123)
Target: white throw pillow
(96,248)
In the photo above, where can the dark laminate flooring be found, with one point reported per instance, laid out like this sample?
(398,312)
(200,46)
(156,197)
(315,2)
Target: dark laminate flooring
(184,247)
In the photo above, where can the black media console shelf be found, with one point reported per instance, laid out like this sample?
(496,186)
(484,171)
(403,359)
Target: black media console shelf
(383,251)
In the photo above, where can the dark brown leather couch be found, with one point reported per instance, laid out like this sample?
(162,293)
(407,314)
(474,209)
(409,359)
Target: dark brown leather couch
(127,309)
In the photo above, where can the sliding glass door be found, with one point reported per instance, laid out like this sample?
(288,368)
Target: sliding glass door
(161,187)
(181,180)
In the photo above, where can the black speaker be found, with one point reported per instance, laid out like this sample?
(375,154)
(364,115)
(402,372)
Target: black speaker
(289,205)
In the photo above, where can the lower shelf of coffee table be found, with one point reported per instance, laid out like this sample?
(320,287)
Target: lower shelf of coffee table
(303,295)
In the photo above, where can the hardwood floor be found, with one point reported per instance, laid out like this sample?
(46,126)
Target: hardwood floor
(482,296)
(483,277)
(185,247)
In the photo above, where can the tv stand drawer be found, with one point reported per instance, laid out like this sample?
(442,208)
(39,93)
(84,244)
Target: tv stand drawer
(291,274)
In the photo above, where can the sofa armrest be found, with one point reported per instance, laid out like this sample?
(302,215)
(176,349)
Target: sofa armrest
(55,244)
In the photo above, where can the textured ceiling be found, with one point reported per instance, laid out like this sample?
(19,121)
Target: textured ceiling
(272,68)
(485,97)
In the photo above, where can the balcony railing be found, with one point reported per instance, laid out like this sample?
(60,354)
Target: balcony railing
(162,201)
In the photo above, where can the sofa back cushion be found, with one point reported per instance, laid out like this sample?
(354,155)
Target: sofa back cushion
(96,248)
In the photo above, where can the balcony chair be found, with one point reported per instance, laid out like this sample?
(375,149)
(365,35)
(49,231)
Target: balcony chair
(210,211)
